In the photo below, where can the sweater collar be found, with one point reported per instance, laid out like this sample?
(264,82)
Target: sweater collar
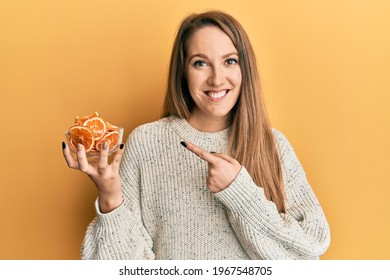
(210,141)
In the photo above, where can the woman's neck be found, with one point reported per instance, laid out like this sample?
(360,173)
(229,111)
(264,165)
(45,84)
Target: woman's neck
(206,124)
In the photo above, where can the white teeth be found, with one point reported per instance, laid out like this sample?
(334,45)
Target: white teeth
(216,95)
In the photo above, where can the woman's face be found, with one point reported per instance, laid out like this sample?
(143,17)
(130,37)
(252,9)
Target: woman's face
(213,74)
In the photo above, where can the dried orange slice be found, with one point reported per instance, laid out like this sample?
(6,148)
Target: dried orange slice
(81,135)
(111,137)
(80,120)
(97,125)
(111,127)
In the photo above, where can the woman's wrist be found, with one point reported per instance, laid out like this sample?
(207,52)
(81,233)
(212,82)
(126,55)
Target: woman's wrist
(109,203)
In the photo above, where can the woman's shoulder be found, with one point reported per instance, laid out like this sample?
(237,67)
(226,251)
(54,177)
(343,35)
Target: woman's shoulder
(150,129)
(286,152)
(283,144)
(153,125)
(279,137)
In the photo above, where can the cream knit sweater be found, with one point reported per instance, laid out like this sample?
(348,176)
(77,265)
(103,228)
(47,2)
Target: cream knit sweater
(168,212)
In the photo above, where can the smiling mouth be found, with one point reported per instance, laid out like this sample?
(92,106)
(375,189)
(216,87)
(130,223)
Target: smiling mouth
(217,94)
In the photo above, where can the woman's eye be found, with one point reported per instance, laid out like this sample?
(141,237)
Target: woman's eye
(231,61)
(199,63)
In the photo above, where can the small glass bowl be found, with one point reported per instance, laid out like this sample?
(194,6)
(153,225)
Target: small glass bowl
(94,154)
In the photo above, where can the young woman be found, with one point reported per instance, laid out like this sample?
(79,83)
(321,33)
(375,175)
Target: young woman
(211,179)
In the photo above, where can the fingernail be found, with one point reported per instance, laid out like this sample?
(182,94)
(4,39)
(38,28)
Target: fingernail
(105,145)
(183,143)
(79,147)
(63,145)
(212,152)
(121,146)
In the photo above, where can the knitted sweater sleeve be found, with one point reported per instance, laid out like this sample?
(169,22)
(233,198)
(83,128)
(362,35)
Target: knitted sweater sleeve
(120,234)
(301,233)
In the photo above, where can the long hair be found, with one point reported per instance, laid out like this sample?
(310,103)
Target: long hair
(251,140)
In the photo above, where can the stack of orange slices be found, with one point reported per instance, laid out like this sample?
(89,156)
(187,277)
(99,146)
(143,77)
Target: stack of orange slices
(92,132)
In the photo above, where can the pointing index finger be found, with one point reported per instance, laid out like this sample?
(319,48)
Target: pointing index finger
(206,156)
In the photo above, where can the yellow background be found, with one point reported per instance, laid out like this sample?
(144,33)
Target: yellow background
(325,72)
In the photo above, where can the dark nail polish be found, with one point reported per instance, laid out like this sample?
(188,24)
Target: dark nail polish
(63,145)
(183,143)
(212,152)
(121,146)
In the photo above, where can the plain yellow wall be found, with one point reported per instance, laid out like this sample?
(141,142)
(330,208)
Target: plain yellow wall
(325,73)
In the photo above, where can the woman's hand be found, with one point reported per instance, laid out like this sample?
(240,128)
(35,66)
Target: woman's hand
(223,169)
(105,176)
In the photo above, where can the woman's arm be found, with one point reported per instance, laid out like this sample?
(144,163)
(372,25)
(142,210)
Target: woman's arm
(301,233)
(120,234)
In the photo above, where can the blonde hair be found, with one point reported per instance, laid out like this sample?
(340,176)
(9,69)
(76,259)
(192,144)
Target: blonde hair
(251,140)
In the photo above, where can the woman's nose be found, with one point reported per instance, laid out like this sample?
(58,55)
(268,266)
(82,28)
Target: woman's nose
(216,76)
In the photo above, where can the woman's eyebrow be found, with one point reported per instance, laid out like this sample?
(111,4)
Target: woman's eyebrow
(230,54)
(201,55)
(198,55)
